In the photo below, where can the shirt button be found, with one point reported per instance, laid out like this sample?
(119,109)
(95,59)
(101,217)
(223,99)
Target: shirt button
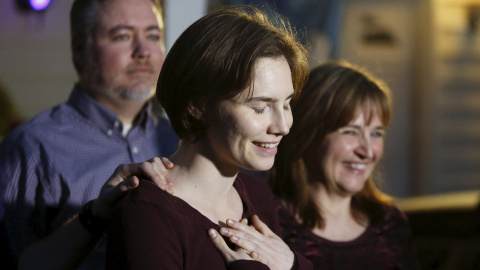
(109,132)
(135,150)
(116,124)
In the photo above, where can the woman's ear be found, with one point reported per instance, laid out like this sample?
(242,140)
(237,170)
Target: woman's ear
(195,112)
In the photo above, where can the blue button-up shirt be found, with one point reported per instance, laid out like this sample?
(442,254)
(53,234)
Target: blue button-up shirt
(59,160)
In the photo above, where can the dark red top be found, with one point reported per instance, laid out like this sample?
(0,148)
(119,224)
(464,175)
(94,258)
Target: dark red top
(386,245)
(152,229)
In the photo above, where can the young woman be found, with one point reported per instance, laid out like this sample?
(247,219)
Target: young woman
(330,209)
(226,85)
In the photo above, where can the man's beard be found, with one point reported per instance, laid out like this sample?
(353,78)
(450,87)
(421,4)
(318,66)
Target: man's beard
(131,93)
(140,92)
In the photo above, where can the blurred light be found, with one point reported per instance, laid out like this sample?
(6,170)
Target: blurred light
(33,5)
(39,4)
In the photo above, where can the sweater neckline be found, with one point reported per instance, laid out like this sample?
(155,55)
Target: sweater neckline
(205,222)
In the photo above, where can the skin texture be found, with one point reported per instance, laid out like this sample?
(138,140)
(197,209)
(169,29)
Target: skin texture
(347,158)
(349,155)
(128,54)
(251,127)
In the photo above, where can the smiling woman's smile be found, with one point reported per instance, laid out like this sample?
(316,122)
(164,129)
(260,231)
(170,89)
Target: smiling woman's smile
(253,123)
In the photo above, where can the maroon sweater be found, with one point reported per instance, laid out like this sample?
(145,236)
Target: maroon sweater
(386,245)
(152,229)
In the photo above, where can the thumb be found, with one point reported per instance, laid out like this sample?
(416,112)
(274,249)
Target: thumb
(260,226)
(110,196)
(127,185)
(221,245)
(114,194)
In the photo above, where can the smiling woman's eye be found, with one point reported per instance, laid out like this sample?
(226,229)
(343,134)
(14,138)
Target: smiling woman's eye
(259,110)
(286,107)
(377,134)
(349,132)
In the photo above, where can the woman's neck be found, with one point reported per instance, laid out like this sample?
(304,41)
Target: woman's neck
(340,225)
(198,180)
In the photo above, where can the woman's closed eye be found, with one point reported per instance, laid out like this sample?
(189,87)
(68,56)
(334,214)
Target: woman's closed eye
(259,110)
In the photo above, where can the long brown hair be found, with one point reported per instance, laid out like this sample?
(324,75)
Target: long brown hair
(330,99)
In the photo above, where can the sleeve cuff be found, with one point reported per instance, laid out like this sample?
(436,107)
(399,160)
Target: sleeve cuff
(301,263)
(247,264)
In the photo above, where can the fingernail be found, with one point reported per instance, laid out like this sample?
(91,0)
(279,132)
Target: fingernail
(230,222)
(223,230)
(212,233)
(234,238)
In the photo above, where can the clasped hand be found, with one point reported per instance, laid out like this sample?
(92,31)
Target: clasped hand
(255,242)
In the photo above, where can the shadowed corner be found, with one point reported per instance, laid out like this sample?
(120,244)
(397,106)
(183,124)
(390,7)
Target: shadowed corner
(446,229)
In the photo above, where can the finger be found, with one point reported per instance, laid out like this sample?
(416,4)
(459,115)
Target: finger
(247,244)
(260,226)
(116,193)
(105,203)
(167,163)
(143,170)
(243,240)
(221,245)
(120,174)
(244,221)
(160,179)
(242,227)
(231,232)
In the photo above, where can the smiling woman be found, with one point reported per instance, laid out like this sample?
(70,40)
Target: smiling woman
(251,125)
(226,86)
(330,209)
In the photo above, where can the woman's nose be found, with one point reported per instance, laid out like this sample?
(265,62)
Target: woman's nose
(364,149)
(281,123)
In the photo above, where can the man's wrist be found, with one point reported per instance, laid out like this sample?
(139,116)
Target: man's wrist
(94,224)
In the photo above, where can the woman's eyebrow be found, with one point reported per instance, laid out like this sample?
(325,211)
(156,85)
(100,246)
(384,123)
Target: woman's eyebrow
(266,98)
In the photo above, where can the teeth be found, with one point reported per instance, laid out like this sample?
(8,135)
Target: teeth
(267,145)
(357,166)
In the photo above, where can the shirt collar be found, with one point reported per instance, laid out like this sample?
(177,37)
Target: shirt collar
(103,117)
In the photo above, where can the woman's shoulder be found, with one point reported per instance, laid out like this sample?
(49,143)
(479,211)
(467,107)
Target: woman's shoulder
(148,198)
(152,209)
(393,218)
(149,193)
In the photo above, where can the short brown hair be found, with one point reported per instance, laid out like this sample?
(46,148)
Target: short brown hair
(331,98)
(214,60)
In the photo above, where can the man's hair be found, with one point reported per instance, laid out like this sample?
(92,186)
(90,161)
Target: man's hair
(214,59)
(84,18)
